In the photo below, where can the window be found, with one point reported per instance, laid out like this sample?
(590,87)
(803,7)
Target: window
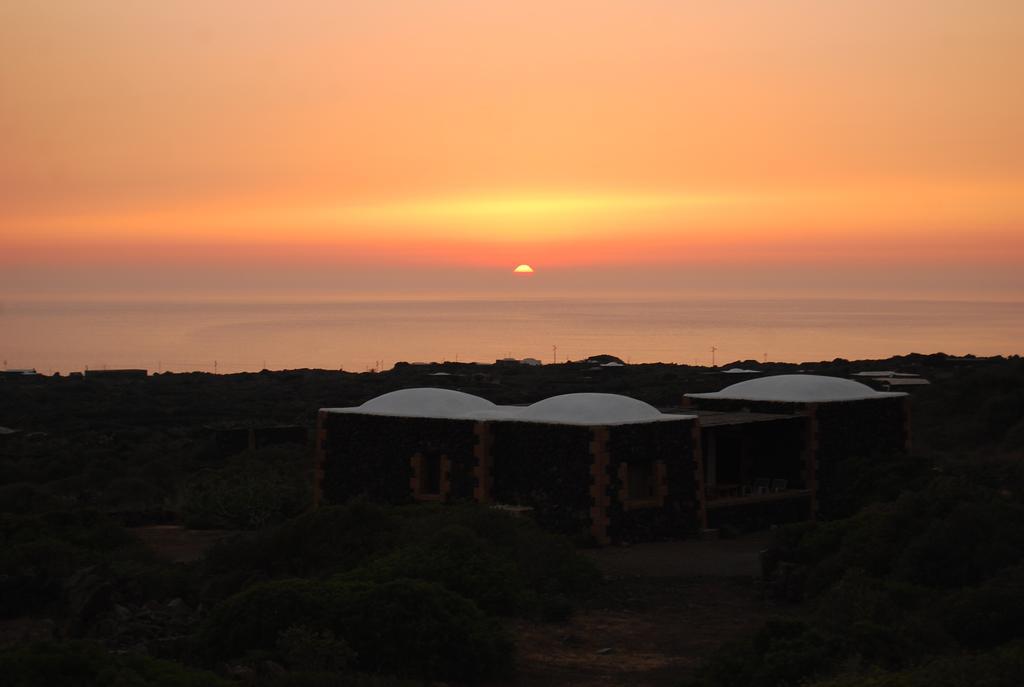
(643,484)
(640,481)
(429,479)
(430,474)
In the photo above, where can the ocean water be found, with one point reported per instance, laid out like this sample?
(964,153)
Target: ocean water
(358,335)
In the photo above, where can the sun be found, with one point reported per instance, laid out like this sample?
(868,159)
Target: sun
(523,269)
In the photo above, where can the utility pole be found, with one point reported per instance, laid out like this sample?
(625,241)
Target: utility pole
(713,350)
(214,367)
(554,355)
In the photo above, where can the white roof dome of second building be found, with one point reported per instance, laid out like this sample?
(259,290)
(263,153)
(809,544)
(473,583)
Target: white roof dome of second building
(798,389)
(592,409)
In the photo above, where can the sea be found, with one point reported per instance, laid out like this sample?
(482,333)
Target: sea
(374,333)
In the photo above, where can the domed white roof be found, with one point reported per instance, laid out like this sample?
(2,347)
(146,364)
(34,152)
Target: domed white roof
(424,402)
(798,389)
(568,409)
(592,409)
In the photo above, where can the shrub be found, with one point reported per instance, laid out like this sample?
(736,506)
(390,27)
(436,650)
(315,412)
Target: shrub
(990,614)
(1000,668)
(249,492)
(74,664)
(307,649)
(326,540)
(32,574)
(547,563)
(24,497)
(38,553)
(781,654)
(404,627)
(968,544)
(506,564)
(873,619)
(458,559)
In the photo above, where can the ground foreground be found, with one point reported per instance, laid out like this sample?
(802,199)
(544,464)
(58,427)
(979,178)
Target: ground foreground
(663,608)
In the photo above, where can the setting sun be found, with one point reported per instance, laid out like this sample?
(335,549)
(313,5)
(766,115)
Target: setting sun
(523,269)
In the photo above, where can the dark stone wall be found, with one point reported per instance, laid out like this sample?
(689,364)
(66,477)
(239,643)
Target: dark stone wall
(546,467)
(369,455)
(668,442)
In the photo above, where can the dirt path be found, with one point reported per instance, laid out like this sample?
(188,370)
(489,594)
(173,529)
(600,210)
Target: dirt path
(663,609)
(691,558)
(176,544)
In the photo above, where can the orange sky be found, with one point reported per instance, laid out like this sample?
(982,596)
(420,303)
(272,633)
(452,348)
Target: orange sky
(471,135)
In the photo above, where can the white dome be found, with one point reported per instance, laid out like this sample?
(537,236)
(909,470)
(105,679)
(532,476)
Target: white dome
(798,389)
(592,409)
(424,402)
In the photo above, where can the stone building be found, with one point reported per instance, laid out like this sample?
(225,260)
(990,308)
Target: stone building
(607,467)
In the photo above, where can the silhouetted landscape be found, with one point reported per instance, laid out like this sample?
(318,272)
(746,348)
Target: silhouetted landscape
(160,531)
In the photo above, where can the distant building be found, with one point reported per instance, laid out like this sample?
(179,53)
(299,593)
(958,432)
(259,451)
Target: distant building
(885,380)
(18,372)
(533,362)
(7,432)
(603,359)
(739,371)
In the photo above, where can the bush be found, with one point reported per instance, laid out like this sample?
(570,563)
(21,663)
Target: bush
(251,491)
(314,679)
(75,664)
(990,614)
(307,649)
(546,563)
(23,497)
(781,654)
(458,559)
(1001,668)
(38,554)
(963,548)
(407,628)
(506,564)
(326,540)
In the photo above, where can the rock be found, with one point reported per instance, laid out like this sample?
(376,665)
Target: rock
(605,651)
(239,670)
(273,668)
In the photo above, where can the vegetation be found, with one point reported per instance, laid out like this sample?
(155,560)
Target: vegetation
(921,583)
(924,583)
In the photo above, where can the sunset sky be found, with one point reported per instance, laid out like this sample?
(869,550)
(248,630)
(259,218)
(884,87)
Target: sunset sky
(864,147)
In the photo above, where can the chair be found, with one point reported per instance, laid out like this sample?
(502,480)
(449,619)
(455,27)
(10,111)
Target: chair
(761,485)
(779,484)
